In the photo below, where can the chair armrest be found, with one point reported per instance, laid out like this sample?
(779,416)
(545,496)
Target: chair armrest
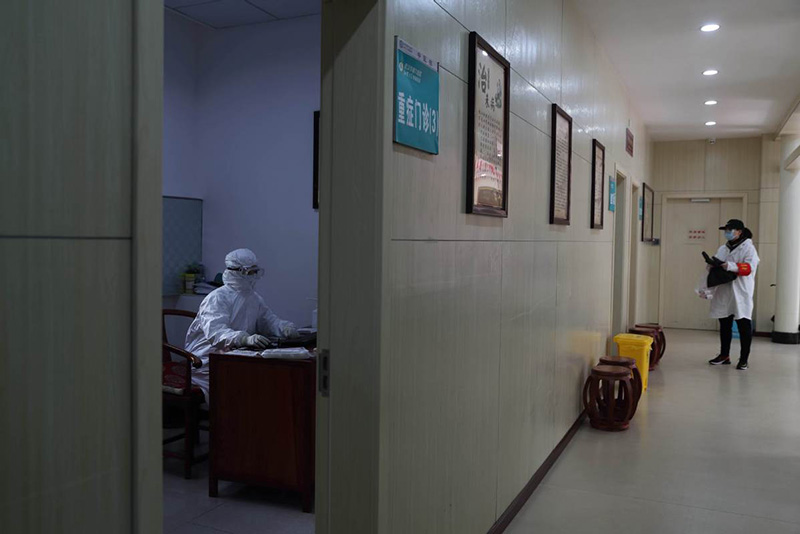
(181,313)
(196,362)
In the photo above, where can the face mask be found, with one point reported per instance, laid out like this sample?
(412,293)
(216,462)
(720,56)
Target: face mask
(238,281)
(729,235)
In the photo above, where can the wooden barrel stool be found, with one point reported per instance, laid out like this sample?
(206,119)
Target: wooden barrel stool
(661,336)
(655,350)
(636,376)
(608,398)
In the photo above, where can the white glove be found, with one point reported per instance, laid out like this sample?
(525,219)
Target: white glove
(289,330)
(255,341)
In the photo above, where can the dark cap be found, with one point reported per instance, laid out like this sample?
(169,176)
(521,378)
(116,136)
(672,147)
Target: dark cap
(733,224)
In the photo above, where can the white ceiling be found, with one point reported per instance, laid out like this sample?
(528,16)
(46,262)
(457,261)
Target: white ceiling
(229,13)
(660,54)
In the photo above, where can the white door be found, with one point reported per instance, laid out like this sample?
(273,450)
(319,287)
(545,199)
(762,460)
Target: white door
(691,228)
(80,255)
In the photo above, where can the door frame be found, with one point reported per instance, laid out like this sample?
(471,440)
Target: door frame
(665,198)
(634,231)
(621,273)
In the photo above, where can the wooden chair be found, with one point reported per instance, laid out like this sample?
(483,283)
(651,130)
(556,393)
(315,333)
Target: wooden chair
(179,393)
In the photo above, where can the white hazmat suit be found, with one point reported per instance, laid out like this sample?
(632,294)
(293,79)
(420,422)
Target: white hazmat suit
(233,316)
(736,298)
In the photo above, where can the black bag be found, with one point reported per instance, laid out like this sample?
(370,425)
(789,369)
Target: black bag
(717,275)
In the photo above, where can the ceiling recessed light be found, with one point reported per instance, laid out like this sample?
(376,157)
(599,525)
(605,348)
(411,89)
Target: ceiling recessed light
(485,53)
(709,28)
(711,123)
(711,102)
(710,72)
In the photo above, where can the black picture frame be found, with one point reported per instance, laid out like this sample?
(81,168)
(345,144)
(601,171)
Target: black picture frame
(315,187)
(556,218)
(598,181)
(629,141)
(497,208)
(648,203)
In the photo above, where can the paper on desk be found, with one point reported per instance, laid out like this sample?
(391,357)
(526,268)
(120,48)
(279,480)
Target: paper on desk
(294,353)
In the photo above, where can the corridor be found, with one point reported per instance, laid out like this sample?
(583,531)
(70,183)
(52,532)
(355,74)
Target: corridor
(711,450)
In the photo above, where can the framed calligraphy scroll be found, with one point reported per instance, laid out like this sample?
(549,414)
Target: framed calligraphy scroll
(560,166)
(648,205)
(487,129)
(598,184)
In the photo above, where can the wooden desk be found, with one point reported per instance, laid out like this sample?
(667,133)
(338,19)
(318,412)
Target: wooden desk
(262,420)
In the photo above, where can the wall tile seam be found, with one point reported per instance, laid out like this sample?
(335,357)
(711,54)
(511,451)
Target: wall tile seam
(526,121)
(435,241)
(532,85)
(453,74)
(575,122)
(440,6)
(713,192)
(40,237)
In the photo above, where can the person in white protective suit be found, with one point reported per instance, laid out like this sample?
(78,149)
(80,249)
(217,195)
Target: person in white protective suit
(734,301)
(234,316)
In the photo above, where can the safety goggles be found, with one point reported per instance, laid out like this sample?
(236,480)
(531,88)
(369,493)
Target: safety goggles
(247,271)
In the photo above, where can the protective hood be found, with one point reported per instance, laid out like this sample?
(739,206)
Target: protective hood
(236,280)
(241,257)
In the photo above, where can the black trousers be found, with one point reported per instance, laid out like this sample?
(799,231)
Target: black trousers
(726,334)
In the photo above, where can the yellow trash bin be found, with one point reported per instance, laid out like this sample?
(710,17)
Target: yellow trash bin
(636,347)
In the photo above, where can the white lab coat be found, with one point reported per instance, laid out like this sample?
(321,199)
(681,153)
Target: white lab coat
(226,315)
(736,298)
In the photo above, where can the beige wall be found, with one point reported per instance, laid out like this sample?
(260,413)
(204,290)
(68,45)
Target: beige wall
(494,323)
(743,166)
(487,326)
(80,256)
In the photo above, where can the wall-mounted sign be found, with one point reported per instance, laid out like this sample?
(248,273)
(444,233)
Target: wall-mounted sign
(629,141)
(488,117)
(696,235)
(416,98)
(612,194)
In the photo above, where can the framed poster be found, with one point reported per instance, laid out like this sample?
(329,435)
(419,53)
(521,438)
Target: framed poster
(629,141)
(598,184)
(560,166)
(648,202)
(487,129)
(315,187)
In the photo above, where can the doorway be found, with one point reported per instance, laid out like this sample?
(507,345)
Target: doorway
(619,319)
(691,226)
(634,215)
(241,88)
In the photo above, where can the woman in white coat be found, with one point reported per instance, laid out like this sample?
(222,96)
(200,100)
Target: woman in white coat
(734,300)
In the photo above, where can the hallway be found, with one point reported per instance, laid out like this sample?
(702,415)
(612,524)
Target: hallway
(711,450)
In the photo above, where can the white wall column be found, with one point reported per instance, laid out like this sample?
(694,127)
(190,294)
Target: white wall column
(787,306)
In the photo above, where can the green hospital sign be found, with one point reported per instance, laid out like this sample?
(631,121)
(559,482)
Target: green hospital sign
(416,103)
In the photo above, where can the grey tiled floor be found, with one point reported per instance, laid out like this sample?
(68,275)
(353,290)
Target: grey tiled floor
(239,509)
(711,450)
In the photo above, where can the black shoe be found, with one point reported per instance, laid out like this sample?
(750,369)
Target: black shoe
(741,366)
(720,360)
